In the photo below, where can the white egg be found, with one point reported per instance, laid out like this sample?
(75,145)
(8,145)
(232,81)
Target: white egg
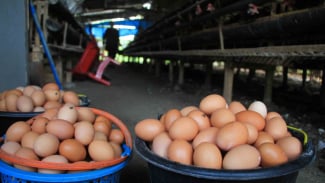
(259,107)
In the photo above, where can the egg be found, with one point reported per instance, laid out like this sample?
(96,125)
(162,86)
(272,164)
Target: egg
(231,135)
(26,153)
(180,151)
(62,129)
(206,135)
(184,128)
(28,90)
(3,106)
(276,127)
(53,159)
(170,116)
(101,150)
(236,106)
(102,126)
(86,114)
(16,131)
(252,133)
(263,137)
(212,102)
(71,97)
(207,155)
(25,104)
(28,139)
(50,85)
(84,132)
(116,135)
(50,113)
(38,98)
(200,118)
(68,112)
(11,102)
(10,147)
(291,146)
(50,104)
(102,118)
(117,149)
(38,109)
(39,124)
(251,117)
(46,144)
(73,150)
(222,116)
(242,157)
(52,95)
(187,109)
(160,144)
(258,106)
(147,129)
(272,114)
(272,155)
(100,136)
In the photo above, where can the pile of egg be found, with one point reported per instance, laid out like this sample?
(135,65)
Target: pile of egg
(33,98)
(219,135)
(64,135)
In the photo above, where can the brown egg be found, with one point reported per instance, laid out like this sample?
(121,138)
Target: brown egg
(18,92)
(272,155)
(25,104)
(242,157)
(170,116)
(291,146)
(251,117)
(206,135)
(52,95)
(38,109)
(71,97)
(50,113)
(102,118)
(46,144)
(68,112)
(38,98)
(200,118)
(86,114)
(116,136)
(10,147)
(51,86)
(28,139)
(160,144)
(184,128)
(102,126)
(62,129)
(185,110)
(26,153)
(100,136)
(276,127)
(207,155)
(73,150)
(252,133)
(17,130)
(11,102)
(211,103)
(236,106)
(263,137)
(180,151)
(53,159)
(39,124)
(147,129)
(84,132)
(272,114)
(232,135)
(101,150)
(28,90)
(117,149)
(222,116)
(3,106)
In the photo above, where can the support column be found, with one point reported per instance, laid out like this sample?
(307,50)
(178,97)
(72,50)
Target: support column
(268,84)
(228,81)
(171,72)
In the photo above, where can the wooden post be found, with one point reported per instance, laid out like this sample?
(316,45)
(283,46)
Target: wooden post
(268,84)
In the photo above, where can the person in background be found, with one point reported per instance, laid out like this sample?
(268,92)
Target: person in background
(111,40)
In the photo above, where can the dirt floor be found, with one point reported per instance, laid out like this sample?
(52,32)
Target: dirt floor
(136,94)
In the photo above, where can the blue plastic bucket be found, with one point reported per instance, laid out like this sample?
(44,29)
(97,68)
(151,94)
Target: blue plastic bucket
(111,174)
